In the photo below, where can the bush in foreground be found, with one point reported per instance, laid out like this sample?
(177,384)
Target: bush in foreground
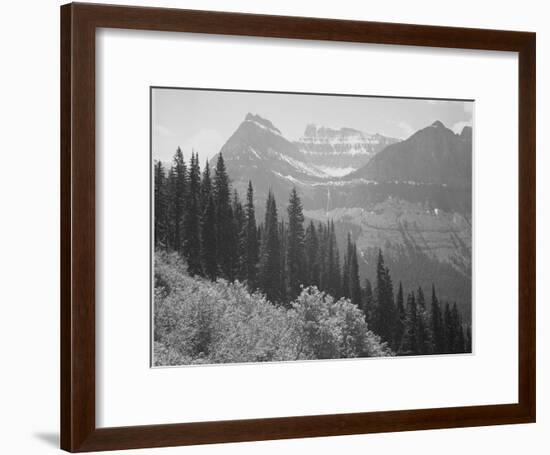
(199,321)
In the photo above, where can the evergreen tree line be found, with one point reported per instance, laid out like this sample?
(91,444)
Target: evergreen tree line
(197,215)
(413,327)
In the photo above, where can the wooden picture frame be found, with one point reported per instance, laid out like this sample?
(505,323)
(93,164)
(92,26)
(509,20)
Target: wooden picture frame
(78,202)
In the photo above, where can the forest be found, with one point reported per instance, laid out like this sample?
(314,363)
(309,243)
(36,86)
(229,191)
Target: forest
(231,289)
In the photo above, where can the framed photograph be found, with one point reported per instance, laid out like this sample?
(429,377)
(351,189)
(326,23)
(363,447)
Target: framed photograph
(282,227)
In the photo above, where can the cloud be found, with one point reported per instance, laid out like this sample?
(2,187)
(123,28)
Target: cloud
(162,130)
(408,129)
(459,126)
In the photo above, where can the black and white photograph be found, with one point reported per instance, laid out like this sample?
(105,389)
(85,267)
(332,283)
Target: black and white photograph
(303,226)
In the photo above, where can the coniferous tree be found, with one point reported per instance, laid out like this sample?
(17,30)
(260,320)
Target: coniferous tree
(424,337)
(270,257)
(239,228)
(401,318)
(191,245)
(346,287)
(409,343)
(385,309)
(161,207)
(368,302)
(458,345)
(312,255)
(283,238)
(324,282)
(178,196)
(468,339)
(295,247)
(337,280)
(252,249)
(450,334)
(461,340)
(206,186)
(225,234)
(355,285)
(208,240)
(333,263)
(436,319)
(170,202)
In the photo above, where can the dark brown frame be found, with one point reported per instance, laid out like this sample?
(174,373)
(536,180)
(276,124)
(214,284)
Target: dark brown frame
(78,25)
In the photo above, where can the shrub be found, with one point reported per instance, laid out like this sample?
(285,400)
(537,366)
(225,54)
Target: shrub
(199,321)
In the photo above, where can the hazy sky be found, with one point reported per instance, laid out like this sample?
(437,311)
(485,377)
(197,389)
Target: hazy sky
(203,120)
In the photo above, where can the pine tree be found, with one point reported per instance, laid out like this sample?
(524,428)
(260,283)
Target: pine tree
(270,258)
(208,240)
(461,340)
(191,245)
(355,285)
(385,309)
(409,343)
(400,319)
(161,207)
(438,331)
(170,202)
(468,339)
(295,247)
(312,255)
(458,345)
(239,228)
(322,235)
(252,249)
(424,336)
(368,306)
(337,280)
(333,263)
(346,288)
(178,197)
(283,240)
(206,186)
(225,234)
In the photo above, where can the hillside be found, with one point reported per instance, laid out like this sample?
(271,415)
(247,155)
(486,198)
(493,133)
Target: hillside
(198,321)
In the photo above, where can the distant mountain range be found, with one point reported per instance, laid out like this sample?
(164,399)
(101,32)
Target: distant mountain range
(332,168)
(412,198)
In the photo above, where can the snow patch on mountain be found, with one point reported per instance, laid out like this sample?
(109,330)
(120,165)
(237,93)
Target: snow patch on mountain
(289,178)
(335,171)
(254,152)
(303,167)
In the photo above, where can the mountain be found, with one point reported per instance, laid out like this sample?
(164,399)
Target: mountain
(339,152)
(257,151)
(257,142)
(433,155)
(412,199)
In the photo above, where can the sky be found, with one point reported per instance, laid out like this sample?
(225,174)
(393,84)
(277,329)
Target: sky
(202,120)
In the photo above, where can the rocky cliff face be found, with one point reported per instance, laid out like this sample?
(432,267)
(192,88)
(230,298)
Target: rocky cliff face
(421,244)
(339,152)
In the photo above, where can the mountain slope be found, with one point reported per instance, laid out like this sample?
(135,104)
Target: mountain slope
(433,155)
(258,142)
